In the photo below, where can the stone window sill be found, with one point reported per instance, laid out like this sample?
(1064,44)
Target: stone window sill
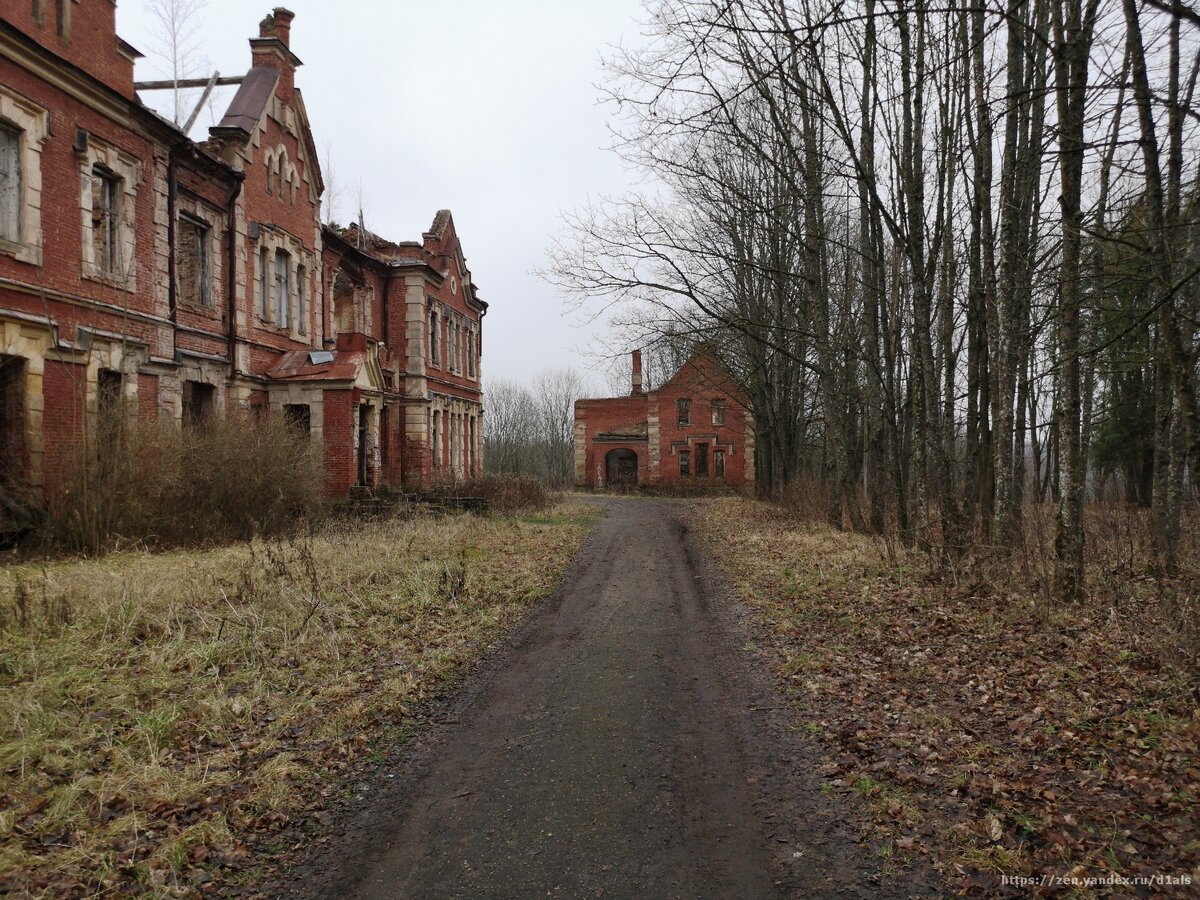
(128,285)
(26,253)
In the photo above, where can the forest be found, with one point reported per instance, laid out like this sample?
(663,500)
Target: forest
(949,250)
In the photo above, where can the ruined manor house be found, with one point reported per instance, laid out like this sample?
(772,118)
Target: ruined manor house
(194,278)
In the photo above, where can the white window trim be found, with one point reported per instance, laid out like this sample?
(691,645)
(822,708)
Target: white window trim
(129,171)
(34,124)
(273,240)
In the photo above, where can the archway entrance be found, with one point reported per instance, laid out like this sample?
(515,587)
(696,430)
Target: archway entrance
(621,467)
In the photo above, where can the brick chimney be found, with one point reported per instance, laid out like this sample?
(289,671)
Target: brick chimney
(278,25)
(637,373)
(272,47)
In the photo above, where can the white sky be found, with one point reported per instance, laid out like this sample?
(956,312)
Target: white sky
(485,108)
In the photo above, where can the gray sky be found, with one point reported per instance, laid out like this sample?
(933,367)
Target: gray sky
(488,109)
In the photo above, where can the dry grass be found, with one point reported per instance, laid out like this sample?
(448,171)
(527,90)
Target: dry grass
(980,725)
(160,708)
(156,484)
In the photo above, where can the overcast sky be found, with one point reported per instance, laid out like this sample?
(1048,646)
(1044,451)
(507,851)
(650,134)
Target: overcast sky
(484,108)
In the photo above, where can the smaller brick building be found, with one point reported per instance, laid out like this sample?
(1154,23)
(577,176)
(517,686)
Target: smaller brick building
(693,432)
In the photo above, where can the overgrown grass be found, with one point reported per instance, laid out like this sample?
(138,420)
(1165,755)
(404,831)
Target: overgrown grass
(160,709)
(979,724)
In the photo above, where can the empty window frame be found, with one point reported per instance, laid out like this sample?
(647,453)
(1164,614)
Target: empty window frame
(264,284)
(302,299)
(62,10)
(471,352)
(702,460)
(719,463)
(193,261)
(38,12)
(283,288)
(685,463)
(106,220)
(433,337)
(683,409)
(10,183)
(718,412)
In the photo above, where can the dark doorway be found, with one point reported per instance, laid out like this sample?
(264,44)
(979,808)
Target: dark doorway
(364,431)
(12,418)
(702,460)
(299,418)
(199,403)
(621,467)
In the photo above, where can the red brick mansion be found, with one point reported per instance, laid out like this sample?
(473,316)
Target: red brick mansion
(694,432)
(191,278)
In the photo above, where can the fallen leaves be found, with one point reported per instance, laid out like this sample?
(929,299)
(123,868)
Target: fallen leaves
(970,724)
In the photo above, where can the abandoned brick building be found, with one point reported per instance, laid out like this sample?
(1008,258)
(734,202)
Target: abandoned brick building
(694,432)
(190,278)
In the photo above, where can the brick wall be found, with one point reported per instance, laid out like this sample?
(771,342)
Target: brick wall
(147,386)
(702,381)
(63,393)
(341,464)
(88,38)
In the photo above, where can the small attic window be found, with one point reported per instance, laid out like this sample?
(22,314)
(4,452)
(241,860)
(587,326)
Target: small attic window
(320,357)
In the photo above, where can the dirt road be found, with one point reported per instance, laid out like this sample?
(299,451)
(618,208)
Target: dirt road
(625,743)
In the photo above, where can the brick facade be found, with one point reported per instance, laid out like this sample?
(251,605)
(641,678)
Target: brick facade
(176,267)
(646,439)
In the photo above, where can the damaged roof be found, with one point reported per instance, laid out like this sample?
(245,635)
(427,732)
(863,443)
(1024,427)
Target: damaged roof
(298,365)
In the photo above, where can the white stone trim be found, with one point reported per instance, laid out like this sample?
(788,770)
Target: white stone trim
(129,171)
(33,122)
(273,240)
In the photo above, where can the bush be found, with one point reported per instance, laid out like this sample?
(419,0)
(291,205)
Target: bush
(160,485)
(504,495)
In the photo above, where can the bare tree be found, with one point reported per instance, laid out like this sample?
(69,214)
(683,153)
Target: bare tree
(176,35)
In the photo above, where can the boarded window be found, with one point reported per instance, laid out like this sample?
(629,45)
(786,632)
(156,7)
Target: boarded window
(718,412)
(10,184)
(719,463)
(193,261)
(283,289)
(683,408)
(702,460)
(299,418)
(106,211)
(199,403)
(685,463)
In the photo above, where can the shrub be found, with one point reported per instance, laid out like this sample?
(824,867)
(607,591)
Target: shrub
(160,485)
(504,495)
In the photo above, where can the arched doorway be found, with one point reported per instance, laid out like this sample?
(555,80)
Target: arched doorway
(621,467)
